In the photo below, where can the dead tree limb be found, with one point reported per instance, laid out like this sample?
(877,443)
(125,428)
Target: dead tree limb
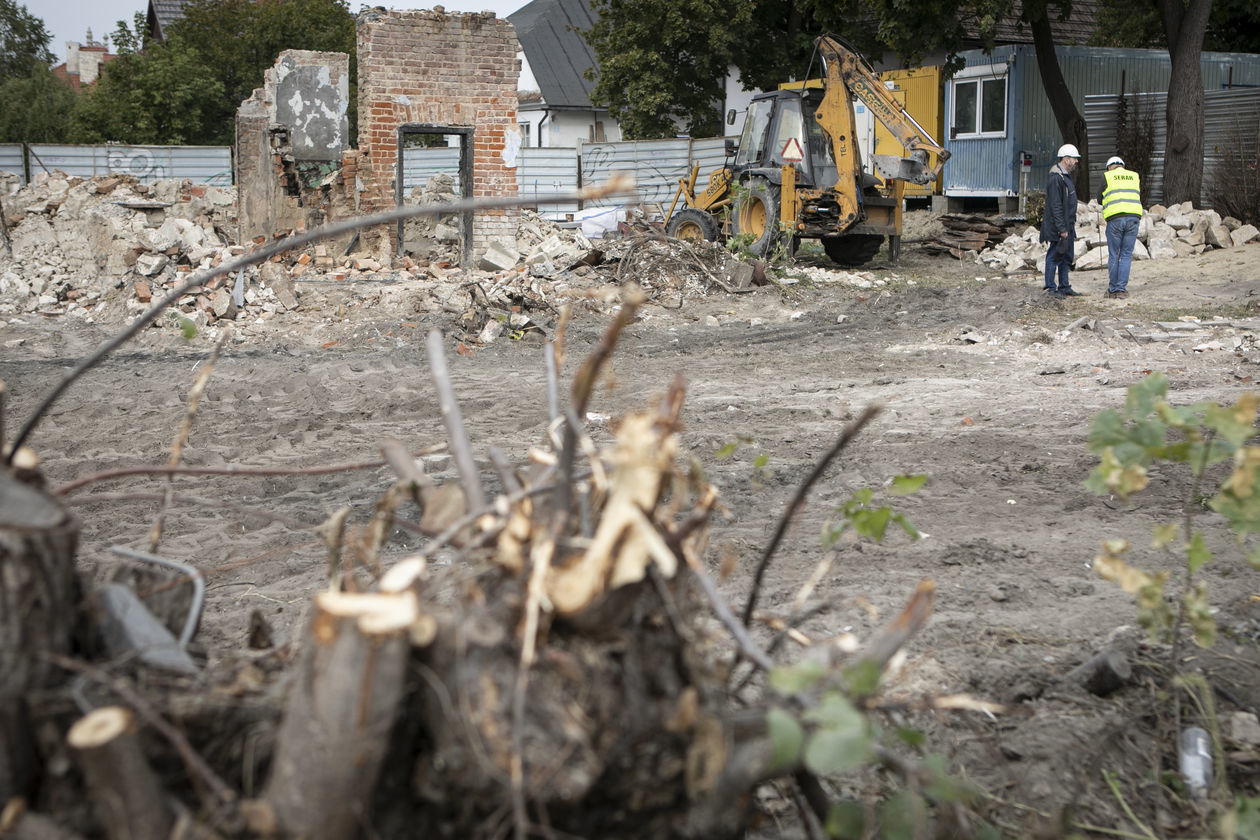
(181,437)
(456,433)
(341,707)
(583,385)
(913,617)
(850,431)
(218,793)
(155,469)
(39,597)
(124,788)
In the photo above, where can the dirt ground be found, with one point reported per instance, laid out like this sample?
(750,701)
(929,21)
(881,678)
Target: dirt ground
(987,387)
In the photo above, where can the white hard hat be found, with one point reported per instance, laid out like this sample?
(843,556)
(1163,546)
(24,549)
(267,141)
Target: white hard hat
(1113,161)
(1067,150)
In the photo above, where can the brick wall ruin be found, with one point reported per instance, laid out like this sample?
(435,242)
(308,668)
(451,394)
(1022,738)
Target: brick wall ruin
(430,68)
(292,136)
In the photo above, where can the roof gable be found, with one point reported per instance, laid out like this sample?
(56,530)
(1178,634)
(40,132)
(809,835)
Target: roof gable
(161,14)
(550,33)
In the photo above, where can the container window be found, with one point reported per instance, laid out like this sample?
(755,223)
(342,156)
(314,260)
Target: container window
(979,108)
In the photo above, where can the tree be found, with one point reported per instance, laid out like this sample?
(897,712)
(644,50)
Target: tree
(1185,23)
(36,108)
(236,41)
(23,41)
(662,63)
(187,89)
(1233,26)
(162,96)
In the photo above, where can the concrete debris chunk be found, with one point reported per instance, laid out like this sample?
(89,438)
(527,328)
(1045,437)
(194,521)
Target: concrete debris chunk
(151,264)
(499,256)
(1244,234)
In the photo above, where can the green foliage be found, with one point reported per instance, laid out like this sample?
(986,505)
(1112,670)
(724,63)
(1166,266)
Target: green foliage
(36,108)
(1233,26)
(187,90)
(1148,430)
(662,63)
(1242,820)
(162,96)
(867,520)
(23,42)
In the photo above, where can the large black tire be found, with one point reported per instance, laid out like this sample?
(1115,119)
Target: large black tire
(756,212)
(854,249)
(692,225)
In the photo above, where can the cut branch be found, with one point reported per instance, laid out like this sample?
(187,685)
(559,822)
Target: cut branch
(123,786)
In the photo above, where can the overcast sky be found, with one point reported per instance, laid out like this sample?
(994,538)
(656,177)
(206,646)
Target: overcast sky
(69,20)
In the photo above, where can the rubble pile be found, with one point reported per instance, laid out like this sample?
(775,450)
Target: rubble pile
(1164,233)
(433,238)
(74,241)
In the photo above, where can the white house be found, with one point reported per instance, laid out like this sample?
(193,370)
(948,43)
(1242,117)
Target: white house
(555,106)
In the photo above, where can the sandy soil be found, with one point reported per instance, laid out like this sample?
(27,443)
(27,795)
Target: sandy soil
(987,387)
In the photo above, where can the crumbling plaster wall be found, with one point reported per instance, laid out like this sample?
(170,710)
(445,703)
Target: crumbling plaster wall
(292,136)
(427,67)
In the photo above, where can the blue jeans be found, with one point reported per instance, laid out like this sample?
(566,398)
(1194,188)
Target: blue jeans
(1059,265)
(1121,236)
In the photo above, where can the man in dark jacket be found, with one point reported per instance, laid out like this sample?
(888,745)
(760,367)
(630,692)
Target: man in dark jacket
(1058,224)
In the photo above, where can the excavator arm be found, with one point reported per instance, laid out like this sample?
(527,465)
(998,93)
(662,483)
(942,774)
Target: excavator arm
(849,75)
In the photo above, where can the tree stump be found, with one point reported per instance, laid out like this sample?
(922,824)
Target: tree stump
(124,788)
(39,600)
(339,713)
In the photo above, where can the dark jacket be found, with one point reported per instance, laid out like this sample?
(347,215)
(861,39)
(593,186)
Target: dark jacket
(1060,214)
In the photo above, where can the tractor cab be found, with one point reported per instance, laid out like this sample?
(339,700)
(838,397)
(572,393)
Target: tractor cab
(780,128)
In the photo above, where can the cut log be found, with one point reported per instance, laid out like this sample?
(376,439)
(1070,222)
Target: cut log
(340,709)
(123,786)
(39,597)
(1103,673)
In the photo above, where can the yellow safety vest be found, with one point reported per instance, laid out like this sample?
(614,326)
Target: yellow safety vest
(1122,193)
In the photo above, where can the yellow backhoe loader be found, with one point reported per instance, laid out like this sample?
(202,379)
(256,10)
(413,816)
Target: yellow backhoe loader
(797,171)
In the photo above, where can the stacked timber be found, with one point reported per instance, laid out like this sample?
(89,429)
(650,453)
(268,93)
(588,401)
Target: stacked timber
(967,233)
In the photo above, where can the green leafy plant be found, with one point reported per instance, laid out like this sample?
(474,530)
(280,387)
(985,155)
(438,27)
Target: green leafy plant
(823,724)
(867,520)
(1148,430)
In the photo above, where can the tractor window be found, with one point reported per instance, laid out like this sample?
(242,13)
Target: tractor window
(753,141)
(788,145)
(821,162)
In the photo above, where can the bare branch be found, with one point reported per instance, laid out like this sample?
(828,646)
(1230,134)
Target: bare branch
(850,431)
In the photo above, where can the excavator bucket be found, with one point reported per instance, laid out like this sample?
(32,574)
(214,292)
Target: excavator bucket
(910,170)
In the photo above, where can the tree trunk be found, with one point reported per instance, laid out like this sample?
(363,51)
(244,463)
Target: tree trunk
(1185,22)
(1071,123)
(39,597)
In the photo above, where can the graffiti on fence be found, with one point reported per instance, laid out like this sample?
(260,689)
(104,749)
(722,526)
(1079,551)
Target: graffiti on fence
(655,180)
(137,162)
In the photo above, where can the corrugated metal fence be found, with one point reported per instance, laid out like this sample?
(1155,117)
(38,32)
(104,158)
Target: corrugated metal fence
(656,165)
(1231,120)
(202,164)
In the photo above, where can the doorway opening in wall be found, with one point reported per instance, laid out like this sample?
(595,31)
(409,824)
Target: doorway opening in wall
(435,166)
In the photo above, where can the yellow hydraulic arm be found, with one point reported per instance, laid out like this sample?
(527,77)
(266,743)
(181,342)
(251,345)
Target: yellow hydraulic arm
(848,72)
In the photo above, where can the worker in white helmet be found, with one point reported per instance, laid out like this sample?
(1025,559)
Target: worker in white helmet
(1058,223)
(1122,210)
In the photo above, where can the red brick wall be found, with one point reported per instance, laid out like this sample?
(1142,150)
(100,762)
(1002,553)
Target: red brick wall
(430,67)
